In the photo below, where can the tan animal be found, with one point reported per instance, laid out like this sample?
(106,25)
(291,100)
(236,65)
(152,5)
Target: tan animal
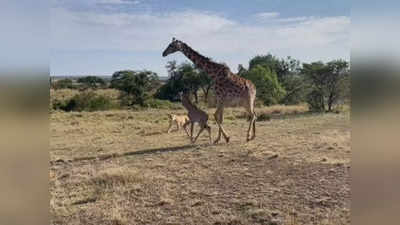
(196,115)
(179,120)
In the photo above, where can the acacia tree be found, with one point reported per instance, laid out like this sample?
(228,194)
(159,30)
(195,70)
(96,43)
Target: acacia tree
(135,85)
(328,83)
(174,84)
(337,81)
(184,76)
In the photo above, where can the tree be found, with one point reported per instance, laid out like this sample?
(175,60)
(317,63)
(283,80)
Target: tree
(288,74)
(241,70)
(296,89)
(268,88)
(92,81)
(328,83)
(205,84)
(280,66)
(184,76)
(316,74)
(337,81)
(172,69)
(135,85)
(191,79)
(63,84)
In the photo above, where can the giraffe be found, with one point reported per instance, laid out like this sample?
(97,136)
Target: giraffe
(229,87)
(195,115)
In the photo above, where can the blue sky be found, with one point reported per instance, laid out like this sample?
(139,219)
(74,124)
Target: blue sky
(103,36)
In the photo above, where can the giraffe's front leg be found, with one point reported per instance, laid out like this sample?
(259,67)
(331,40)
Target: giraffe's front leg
(191,131)
(201,130)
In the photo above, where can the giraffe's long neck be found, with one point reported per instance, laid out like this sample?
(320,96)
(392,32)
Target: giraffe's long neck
(202,62)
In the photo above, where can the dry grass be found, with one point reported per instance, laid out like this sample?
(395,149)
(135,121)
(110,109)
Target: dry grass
(121,167)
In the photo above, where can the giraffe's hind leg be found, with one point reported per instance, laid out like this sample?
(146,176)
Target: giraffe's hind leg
(251,132)
(219,118)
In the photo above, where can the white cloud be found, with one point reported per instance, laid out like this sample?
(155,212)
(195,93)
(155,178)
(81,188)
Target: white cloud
(306,38)
(117,2)
(267,15)
(294,19)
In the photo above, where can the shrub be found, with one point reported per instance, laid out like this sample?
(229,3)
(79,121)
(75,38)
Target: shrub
(63,84)
(315,100)
(92,81)
(86,101)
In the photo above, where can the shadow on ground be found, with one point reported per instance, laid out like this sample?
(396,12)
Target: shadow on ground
(139,152)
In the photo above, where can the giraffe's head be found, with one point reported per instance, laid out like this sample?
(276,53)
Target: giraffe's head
(175,45)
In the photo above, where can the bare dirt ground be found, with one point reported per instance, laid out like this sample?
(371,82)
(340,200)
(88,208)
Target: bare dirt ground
(121,167)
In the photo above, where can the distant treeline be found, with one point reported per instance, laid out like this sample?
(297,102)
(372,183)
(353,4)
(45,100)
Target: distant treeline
(278,81)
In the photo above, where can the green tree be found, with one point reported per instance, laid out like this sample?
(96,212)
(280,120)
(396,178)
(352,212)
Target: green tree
(205,84)
(316,76)
(288,74)
(63,84)
(268,88)
(328,82)
(282,67)
(92,81)
(171,89)
(135,85)
(184,76)
(191,79)
(338,81)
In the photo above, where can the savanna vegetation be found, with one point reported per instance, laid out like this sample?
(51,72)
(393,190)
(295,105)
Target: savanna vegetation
(324,87)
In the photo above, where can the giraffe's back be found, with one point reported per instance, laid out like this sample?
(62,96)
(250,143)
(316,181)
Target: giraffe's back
(234,87)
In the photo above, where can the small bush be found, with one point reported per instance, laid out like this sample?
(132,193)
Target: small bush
(86,101)
(263,117)
(63,84)
(315,100)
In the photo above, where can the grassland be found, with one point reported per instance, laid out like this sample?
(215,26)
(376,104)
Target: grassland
(121,167)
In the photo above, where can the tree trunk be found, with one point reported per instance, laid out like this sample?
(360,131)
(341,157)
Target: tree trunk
(196,97)
(205,92)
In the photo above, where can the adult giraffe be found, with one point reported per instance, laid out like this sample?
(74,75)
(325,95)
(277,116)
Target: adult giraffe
(229,87)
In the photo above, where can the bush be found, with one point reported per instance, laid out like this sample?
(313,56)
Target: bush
(92,81)
(86,101)
(315,100)
(63,84)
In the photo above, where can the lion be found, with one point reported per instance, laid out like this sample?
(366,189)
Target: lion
(180,120)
